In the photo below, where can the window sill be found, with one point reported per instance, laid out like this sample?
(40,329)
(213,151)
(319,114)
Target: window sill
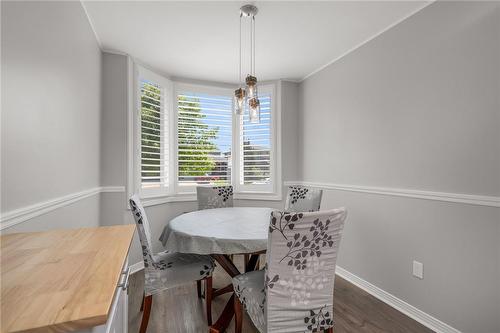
(154,201)
(257,196)
(190,197)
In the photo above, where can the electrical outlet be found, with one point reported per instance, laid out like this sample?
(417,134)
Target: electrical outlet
(418,270)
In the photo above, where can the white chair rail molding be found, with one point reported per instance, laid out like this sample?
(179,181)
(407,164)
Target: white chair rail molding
(250,167)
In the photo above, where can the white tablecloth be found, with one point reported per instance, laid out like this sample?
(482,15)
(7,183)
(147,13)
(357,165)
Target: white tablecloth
(218,231)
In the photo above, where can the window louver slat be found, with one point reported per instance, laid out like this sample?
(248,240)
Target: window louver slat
(153,136)
(204,138)
(255,143)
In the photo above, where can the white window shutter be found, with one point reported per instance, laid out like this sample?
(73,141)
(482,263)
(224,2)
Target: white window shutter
(257,149)
(204,139)
(153,92)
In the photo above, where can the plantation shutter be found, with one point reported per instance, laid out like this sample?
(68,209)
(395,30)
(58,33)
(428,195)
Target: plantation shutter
(154,137)
(204,134)
(256,147)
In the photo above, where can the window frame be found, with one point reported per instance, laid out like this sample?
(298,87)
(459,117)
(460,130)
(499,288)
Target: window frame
(267,191)
(172,193)
(195,88)
(166,84)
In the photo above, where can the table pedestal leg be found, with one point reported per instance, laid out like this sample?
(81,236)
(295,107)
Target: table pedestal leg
(227,314)
(225,318)
(252,263)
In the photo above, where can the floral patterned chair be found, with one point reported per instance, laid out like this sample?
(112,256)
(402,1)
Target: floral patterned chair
(295,291)
(214,196)
(303,199)
(166,270)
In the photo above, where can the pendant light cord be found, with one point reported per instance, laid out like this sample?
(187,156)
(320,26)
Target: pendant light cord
(239,71)
(251,48)
(253,42)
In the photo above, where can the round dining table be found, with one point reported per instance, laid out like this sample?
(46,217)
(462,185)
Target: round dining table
(220,233)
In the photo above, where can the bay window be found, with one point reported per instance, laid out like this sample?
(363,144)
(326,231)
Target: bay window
(187,135)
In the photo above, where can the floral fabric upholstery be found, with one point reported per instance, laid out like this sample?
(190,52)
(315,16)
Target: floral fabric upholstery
(299,277)
(214,197)
(166,270)
(249,288)
(303,199)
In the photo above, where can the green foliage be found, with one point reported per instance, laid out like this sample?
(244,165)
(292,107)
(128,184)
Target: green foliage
(195,140)
(150,132)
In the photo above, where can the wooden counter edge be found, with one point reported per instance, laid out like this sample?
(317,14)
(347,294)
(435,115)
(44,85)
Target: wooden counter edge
(87,322)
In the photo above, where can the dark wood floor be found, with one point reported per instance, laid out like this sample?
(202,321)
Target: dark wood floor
(179,310)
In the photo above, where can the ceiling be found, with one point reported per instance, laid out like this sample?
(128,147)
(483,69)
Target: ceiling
(199,40)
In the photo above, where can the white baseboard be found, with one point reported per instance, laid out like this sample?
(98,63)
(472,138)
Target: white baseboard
(136,267)
(20,215)
(470,199)
(398,304)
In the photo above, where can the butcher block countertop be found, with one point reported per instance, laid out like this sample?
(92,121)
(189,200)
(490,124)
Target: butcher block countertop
(61,280)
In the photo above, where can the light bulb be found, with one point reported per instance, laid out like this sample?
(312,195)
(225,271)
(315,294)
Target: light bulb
(250,91)
(239,101)
(251,82)
(254,110)
(238,106)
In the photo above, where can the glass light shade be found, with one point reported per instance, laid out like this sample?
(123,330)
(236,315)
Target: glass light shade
(251,82)
(239,101)
(254,110)
(239,106)
(250,91)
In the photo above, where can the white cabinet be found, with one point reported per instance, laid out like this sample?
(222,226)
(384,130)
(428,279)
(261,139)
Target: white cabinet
(118,315)
(118,320)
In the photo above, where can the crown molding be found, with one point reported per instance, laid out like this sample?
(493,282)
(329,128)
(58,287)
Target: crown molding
(91,25)
(392,25)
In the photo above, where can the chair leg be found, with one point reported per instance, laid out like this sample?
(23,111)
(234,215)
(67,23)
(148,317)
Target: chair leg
(330,330)
(246,259)
(148,301)
(238,315)
(208,299)
(198,288)
(142,302)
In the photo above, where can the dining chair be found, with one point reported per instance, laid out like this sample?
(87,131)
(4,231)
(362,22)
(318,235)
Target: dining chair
(210,197)
(294,293)
(168,269)
(214,196)
(303,199)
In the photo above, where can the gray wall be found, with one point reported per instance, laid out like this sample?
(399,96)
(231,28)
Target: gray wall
(51,109)
(114,136)
(416,108)
(114,120)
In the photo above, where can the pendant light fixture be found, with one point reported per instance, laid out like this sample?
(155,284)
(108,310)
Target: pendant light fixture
(250,93)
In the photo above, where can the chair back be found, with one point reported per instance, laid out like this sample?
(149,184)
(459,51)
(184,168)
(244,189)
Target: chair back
(303,199)
(300,272)
(143,229)
(214,196)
